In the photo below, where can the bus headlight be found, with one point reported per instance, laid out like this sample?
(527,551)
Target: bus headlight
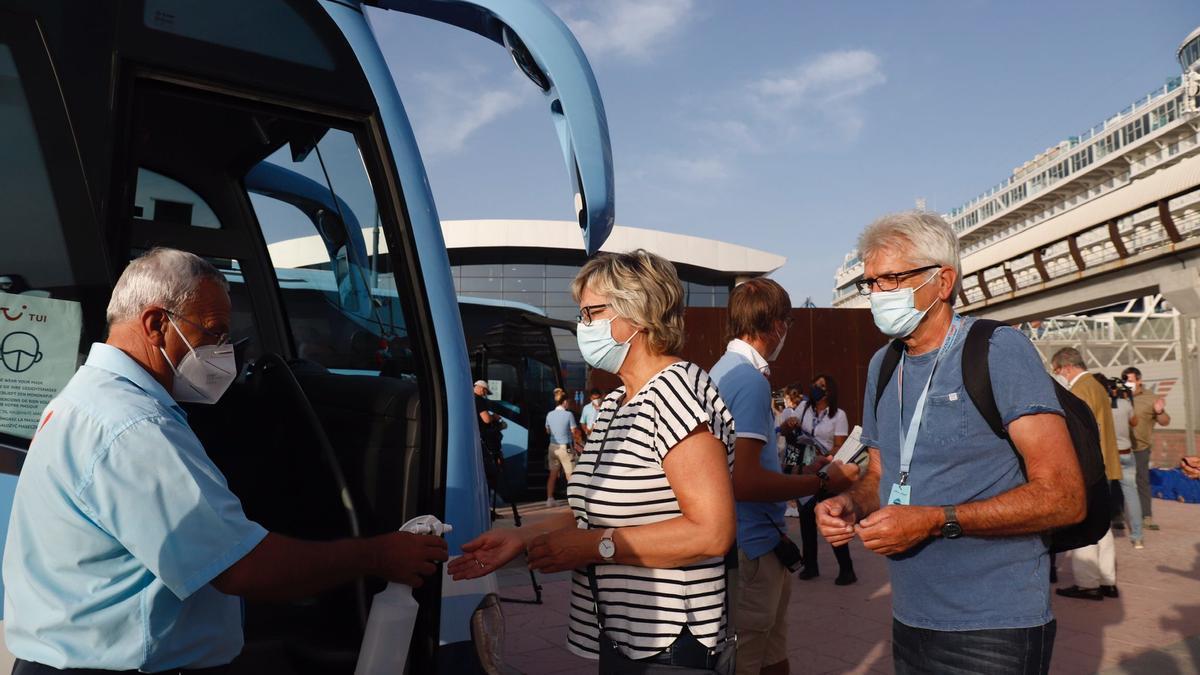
(487,632)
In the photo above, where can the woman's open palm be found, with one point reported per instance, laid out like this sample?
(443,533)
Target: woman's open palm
(485,554)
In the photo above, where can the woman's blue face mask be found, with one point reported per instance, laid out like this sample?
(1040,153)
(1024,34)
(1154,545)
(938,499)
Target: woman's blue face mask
(599,348)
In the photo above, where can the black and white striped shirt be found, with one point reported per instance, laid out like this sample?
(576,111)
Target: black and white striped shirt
(619,482)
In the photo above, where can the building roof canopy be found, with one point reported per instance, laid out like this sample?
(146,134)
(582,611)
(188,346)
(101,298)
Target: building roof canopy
(681,249)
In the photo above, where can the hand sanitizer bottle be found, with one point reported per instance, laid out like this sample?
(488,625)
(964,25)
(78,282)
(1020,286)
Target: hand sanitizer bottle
(393,615)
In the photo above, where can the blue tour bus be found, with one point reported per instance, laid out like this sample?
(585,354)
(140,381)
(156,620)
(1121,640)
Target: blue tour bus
(101,101)
(511,345)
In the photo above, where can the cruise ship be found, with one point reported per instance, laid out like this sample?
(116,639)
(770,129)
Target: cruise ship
(1079,205)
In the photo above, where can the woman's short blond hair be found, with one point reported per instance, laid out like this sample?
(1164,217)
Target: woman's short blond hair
(641,287)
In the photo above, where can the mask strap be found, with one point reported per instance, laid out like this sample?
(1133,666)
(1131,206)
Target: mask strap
(939,271)
(168,360)
(185,340)
(630,337)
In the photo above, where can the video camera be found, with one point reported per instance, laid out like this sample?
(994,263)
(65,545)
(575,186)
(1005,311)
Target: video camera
(1116,388)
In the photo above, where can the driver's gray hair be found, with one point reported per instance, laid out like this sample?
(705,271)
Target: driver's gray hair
(921,237)
(162,277)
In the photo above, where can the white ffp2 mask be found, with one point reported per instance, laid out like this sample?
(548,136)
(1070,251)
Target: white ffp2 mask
(204,373)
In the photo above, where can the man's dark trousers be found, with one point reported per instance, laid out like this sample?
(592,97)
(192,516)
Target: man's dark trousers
(1012,651)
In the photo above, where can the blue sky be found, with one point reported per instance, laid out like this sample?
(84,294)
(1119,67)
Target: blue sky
(785,126)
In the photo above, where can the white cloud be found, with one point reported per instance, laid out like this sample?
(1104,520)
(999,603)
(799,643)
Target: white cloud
(628,28)
(453,108)
(677,174)
(696,169)
(829,78)
(730,132)
(823,94)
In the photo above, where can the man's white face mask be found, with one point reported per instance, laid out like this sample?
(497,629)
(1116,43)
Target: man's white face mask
(779,347)
(204,373)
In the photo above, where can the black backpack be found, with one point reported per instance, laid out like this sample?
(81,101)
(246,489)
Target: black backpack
(1081,425)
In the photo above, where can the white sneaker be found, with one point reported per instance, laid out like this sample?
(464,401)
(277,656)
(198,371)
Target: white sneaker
(791,512)
(1137,544)
(550,503)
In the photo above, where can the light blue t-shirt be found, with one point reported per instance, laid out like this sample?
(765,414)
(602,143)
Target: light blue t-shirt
(747,394)
(560,422)
(969,583)
(588,416)
(119,523)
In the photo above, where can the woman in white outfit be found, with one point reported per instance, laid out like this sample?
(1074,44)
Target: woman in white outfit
(821,418)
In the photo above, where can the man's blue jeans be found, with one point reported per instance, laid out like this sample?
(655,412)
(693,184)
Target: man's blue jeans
(1011,651)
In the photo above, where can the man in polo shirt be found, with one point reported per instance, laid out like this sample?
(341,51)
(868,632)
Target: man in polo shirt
(759,316)
(126,550)
(590,410)
(1150,410)
(564,433)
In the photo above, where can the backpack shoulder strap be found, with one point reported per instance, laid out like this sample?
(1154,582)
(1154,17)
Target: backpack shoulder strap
(891,359)
(977,377)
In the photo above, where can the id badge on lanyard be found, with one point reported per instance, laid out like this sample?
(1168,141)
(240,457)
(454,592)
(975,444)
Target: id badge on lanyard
(901,493)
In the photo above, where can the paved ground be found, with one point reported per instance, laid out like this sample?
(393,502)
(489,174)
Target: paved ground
(1152,629)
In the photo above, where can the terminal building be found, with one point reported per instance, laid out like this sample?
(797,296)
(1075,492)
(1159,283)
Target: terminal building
(533,262)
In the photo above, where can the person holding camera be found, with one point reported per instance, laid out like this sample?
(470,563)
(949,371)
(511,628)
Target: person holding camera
(759,316)
(1124,421)
(491,435)
(1150,409)
(792,454)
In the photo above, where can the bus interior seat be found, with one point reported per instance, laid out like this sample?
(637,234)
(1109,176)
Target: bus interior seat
(272,464)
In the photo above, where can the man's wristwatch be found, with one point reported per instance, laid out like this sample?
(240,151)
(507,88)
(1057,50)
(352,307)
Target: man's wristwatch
(823,489)
(607,548)
(951,529)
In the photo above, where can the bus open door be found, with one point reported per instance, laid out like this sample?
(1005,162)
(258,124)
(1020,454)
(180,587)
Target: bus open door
(106,102)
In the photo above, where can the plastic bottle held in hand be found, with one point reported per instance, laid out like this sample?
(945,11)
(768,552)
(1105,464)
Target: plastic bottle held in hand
(393,616)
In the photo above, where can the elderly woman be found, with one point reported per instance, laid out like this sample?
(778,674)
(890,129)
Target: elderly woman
(652,510)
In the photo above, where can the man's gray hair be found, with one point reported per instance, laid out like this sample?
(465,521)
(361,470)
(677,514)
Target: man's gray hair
(923,237)
(162,277)
(1068,356)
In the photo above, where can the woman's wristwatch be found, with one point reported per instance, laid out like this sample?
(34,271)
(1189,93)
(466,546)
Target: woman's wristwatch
(608,549)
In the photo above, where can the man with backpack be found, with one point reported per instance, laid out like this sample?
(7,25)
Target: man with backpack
(958,508)
(1095,566)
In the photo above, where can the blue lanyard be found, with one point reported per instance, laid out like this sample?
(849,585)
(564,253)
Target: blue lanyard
(908,441)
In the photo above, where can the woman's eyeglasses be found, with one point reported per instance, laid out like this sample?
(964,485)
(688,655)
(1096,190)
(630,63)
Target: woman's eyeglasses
(587,313)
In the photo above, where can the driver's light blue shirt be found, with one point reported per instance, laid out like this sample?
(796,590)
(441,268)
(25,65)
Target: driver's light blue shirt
(119,523)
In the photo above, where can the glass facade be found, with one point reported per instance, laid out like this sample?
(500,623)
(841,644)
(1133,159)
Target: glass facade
(544,281)
(1190,54)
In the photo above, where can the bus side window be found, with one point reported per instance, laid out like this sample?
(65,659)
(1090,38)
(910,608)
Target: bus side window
(318,214)
(41,317)
(161,199)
